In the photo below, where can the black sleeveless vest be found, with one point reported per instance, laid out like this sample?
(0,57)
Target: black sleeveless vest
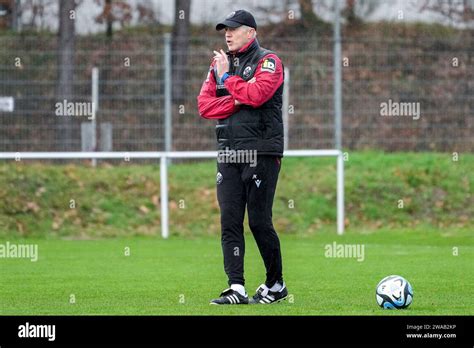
(259,129)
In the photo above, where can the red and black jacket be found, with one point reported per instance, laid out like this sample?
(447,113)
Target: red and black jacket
(257,123)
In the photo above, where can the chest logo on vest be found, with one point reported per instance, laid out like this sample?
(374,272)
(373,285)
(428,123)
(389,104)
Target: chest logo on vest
(269,65)
(257,181)
(247,72)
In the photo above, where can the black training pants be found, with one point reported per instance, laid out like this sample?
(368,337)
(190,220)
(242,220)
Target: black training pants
(240,185)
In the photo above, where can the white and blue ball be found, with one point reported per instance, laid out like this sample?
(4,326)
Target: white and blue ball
(394,292)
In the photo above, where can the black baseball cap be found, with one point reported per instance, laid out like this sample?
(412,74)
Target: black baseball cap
(236,19)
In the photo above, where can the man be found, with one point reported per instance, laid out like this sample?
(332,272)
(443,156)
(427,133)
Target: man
(243,92)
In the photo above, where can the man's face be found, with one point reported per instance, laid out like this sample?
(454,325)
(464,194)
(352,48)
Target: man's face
(236,38)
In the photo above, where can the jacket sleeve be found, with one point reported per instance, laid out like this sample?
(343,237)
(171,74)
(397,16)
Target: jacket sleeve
(210,106)
(268,78)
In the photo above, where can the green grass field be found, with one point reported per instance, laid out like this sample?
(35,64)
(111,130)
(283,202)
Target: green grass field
(178,276)
(82,248)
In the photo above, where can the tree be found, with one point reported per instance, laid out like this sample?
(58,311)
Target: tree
(6,10)
(179,48)
(114,11)
(308,17)
(460,11)
(350,14)
(146,14)
(65,84)
(356,11)
(9,14)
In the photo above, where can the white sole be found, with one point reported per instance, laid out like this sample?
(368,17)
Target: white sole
(228,304)
(277,301)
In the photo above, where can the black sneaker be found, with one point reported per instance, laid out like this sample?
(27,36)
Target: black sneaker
(230,297)
(266,296)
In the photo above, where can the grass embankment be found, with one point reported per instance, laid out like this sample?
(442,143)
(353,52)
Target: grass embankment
(39,200)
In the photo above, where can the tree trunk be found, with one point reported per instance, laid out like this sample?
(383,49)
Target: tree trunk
(350,12)
(308,17)
(109,18)
(107,66)
(65,87)
(15,25)
(179,49)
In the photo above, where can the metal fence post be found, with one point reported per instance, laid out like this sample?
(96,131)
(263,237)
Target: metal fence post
(167,96)
(337,78)
(338,118)
(286,105)
(95,107)
(164,195)
(340,193)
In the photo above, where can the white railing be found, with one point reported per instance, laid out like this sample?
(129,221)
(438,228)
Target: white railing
(163,156)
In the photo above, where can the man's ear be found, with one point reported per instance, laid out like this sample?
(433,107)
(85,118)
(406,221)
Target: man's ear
(250,33)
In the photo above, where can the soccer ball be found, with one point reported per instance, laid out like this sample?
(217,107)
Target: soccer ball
(394,292)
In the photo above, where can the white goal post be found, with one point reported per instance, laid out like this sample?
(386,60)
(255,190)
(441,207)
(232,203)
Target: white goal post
(163,156)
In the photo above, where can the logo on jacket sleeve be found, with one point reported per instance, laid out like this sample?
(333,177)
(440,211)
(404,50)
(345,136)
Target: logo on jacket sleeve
(247,72)
(269,65)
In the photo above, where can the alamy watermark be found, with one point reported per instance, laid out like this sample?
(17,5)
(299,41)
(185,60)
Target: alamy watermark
(28,330)
(66,108)
(392,108)
(237,156)
(335,250)
(23,251)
